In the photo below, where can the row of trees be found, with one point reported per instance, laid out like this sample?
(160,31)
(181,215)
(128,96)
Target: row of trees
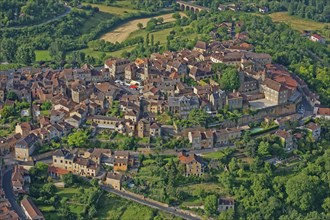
(16,12)
(311,9)
(10,52)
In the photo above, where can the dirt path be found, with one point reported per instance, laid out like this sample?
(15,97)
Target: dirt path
(122,33)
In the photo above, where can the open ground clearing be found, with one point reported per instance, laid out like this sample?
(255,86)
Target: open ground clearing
(123,32)
(116,10)
(297,23)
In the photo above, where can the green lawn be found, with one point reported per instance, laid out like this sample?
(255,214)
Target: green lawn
(213,155)
(297,23)
(4,132)
(94,21)
(114,207)
(4,67)
(42,55)
(123,4)
(158,35)
(115,10)
(119,52)
(51,213)
(208,187)
(67,192)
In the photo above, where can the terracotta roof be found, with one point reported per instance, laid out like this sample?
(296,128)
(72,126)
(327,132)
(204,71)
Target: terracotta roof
(317,36)
(188,159)
(57,170)
(282,134)
(201,45)
(312,126)
(323,111)
(31,208)
(274,85)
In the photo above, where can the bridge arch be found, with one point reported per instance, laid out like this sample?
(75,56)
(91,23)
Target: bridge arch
(182,7)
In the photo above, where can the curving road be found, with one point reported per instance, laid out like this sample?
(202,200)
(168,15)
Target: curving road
(8,189)
(170,210)
(68,10)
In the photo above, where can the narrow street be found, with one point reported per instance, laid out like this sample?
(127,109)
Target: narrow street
(7,187)
(171,210)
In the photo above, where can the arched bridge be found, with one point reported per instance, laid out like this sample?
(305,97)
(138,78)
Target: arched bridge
(188,6)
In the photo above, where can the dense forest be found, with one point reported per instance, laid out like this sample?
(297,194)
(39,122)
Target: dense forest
(22,12)
(318,10)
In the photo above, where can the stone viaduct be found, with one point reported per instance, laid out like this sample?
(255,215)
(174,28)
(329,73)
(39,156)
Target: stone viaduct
(188,6)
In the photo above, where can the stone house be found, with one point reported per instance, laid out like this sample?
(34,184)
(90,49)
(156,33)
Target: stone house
(155,130)
(227,136)
(182,105)
(123,160)
(275,91)
(74,163)
(19,177)
(286,139)
(225,204)
(315,129)
(25,147)
(194,165)
(143,128)
(201,139)
(234,100)
(31,210)
(114,180)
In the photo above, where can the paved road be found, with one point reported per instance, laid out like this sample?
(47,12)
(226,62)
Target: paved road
(170,210)
(68,10)
(7,187)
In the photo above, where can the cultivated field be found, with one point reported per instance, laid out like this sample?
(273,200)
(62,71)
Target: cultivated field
(297,23)
(115,10)
(123,32)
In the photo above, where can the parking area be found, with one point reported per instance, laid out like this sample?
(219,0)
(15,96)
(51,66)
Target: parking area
(261,104)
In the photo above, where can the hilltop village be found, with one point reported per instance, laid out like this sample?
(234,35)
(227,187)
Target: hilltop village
(207,97)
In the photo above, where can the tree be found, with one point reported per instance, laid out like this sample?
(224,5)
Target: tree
(230,79)
(176,15)
(140,26)
(95,182)
(211,204)
(326,205)
(46,105)
(56,51)
(39,172)
(227,215)
(7,112)
(160,20)
(303,191)
(263,149)
(69,180)
(12,96)
(25,55)
(78,139)
(8,49)
(49,189)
